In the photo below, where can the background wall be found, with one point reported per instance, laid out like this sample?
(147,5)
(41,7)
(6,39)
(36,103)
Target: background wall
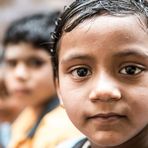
(13,9)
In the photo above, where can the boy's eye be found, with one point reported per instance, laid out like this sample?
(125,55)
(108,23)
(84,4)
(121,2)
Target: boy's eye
(10,63)
(131,70)
(35,62)
(81,72)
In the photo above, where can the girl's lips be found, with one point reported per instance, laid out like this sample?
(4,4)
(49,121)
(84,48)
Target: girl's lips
(107,116)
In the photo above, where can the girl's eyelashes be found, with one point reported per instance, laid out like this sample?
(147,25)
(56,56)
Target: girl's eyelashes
(131,70)
(84,72)
(80,72)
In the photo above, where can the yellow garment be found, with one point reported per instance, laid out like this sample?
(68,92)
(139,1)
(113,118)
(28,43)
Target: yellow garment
(54,128)
(20,128)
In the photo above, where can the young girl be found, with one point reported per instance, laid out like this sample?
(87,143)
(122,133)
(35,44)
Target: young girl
(100,58)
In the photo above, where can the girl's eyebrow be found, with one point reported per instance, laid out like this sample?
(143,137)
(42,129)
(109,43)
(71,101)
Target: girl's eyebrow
(132,52)
(76,56)
(124,53)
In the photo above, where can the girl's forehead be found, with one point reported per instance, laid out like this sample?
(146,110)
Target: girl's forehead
(104,32)
(106,24)
(105,21)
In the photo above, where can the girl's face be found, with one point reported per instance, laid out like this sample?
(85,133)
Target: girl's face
(103,78)
(29,73)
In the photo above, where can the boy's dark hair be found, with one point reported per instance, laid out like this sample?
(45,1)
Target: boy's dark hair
(81,10)
(34,29)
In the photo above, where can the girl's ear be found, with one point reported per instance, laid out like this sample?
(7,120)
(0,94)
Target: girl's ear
(58,92)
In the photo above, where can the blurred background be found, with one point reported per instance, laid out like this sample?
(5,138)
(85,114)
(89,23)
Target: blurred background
(13,9)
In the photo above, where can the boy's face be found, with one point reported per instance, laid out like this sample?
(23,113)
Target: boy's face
(28,73)
(103,78)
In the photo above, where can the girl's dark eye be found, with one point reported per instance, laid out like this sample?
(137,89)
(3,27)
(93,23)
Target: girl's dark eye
(81,72)
(131,70)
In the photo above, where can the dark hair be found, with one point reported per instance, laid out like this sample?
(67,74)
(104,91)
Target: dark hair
(81,10)
(34,29)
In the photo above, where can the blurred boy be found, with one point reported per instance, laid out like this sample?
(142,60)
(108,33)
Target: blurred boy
(29,77)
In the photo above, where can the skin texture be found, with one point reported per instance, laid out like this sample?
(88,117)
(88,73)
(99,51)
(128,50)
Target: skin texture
(29,73)
(103,80)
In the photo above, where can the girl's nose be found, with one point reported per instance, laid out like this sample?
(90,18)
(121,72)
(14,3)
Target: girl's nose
(105,89)
(21,72)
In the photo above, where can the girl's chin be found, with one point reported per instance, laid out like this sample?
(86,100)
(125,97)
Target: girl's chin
(105,140)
